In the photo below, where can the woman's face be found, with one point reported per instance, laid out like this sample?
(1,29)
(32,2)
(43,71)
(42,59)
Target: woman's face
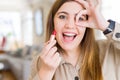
(69,35)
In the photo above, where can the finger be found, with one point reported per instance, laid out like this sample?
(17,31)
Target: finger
(58,60)
(52,37)
(99,2)
(55,60)
(94,3)
(56,56)
(81,14)
(84,3)
(52,51)
(91,2)
(82,24)
(46,43)
(48,47)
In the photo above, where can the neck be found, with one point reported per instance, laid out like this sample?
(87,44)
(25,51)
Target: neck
(72,56)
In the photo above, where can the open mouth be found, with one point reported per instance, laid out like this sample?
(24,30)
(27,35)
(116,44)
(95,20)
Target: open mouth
(69,36)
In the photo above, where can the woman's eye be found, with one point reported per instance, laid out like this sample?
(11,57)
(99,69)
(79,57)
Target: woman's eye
(62,17)
(81,19)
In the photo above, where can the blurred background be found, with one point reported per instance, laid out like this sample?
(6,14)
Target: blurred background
(22,33)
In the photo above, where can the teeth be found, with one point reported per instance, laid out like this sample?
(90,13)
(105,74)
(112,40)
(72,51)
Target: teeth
(69,34)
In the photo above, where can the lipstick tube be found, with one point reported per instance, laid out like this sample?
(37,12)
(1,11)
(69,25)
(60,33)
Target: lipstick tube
(52,37)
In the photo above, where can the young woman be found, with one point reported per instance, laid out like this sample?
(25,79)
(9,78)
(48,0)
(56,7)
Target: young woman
(74,54)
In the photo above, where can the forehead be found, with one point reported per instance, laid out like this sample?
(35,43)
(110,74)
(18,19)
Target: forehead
(71,7)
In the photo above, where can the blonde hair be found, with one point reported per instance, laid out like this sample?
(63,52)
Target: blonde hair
(91,67)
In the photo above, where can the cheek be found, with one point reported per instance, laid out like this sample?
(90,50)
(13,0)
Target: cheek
(58,25)
(81,33)
(81,30)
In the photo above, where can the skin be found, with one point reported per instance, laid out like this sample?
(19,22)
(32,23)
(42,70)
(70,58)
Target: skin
(70,20)
(96,20)
(64,22)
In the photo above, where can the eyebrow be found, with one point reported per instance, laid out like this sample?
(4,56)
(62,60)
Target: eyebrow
(66,13)
(62,12)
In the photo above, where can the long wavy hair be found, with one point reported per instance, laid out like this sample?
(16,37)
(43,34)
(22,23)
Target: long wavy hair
(91,67)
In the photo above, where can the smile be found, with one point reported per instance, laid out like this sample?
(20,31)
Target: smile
(68,37)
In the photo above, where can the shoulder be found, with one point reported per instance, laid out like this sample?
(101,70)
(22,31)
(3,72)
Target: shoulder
(102,46)
(35,66)
(107,47)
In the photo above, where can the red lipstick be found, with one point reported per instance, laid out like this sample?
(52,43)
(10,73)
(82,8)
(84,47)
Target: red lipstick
(53,35)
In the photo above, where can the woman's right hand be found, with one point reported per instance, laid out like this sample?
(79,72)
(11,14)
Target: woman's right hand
(50,60)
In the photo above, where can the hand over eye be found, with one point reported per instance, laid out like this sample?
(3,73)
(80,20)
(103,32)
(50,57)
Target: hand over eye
(92,10)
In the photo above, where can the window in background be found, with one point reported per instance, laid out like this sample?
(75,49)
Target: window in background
(109,11)
(10,27)
(38,22)
(27,27)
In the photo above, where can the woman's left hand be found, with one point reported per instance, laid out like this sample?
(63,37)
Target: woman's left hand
(95,17)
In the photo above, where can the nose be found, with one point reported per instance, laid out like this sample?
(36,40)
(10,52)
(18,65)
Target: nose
(70,23)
